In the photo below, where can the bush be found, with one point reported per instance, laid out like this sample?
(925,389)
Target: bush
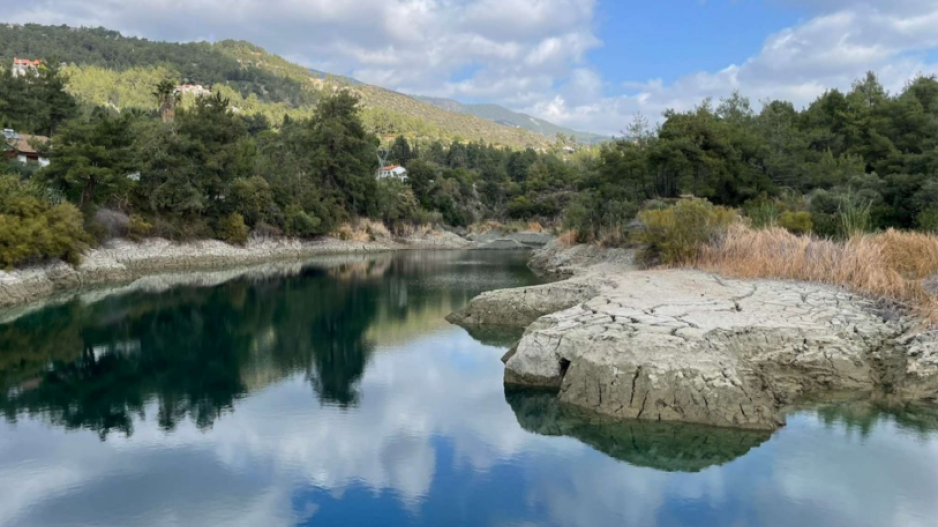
(33,230)
(299,223)
(138,228)
(233,230)
(796,222)
(252,198)
(675,235)
(762,212)
(927,220)
(592,216)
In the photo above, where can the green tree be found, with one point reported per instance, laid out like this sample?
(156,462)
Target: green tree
(92,160)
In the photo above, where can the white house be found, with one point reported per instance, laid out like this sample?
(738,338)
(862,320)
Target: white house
(24,67)
(395,171)
(193,89)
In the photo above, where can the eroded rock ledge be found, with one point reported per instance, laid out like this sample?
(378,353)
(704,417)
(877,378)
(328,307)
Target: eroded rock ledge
(689,346)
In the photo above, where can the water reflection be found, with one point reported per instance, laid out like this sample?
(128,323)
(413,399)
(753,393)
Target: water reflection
(672,447)
(336,394)
(196,350)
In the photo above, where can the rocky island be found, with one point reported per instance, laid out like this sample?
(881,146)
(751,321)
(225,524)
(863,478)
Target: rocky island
(683,345)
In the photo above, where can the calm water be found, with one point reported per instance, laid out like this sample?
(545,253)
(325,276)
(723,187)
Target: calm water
(334,393)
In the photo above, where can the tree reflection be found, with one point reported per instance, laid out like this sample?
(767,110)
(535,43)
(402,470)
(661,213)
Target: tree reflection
(196,351)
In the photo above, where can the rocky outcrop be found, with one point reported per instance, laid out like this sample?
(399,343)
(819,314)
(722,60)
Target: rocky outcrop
(689,346)
(556,259)
(521,307)
(496,240)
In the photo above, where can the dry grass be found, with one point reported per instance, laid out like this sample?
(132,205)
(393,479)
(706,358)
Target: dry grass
(569,238)
(362,231)
(409,230)
(888,265)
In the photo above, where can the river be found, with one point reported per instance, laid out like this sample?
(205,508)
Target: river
(333,392)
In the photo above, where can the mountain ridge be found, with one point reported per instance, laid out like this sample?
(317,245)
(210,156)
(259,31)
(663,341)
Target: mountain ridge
(109,69)
(504,116)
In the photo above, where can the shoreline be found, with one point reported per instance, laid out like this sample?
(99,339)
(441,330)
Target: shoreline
(122,261)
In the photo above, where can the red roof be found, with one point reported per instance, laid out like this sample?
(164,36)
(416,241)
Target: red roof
(27,62)
(390,167)
(23,143)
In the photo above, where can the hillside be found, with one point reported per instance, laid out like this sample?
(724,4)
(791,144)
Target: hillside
(502,115)
(109,69)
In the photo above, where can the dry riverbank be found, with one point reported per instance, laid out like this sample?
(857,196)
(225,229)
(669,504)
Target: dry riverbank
(123,261)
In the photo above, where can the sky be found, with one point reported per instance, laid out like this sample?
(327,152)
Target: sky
(591,65)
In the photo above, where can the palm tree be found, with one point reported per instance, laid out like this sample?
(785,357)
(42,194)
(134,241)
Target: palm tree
(167,97)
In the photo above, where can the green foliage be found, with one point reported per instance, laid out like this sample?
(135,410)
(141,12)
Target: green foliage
(36,103)
(855,217)
(675,235)
(138,228)
(233,230)
(397,203)
(92,158)
(33,230)
(300,223)
(796,222)
(762,212)
(927,220)
(252,198)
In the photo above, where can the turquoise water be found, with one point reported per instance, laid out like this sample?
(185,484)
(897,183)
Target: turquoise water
(334,393)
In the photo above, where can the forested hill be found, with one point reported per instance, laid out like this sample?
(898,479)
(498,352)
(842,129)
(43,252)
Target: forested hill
(106,68)
(502,115)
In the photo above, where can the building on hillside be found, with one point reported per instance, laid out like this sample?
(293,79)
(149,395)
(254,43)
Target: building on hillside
(21,147)
(193,89)
(24,67)
(392,171)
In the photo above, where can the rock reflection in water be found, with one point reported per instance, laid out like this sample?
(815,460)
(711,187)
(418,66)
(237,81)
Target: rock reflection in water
(671,447)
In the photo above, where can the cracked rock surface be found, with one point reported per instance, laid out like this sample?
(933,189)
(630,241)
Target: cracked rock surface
(681,345)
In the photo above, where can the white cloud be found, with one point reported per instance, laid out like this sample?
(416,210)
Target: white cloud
(526,54)
(799,63)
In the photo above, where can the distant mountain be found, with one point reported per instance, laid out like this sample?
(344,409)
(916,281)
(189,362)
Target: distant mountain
(106,68)
(504,116)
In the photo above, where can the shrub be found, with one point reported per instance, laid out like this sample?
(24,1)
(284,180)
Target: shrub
(33,230)
(233,230)
(855,215)
(927,220)
(252,198)
(299,223)
(591,217)
(675,235)
(762,212)
(138,228)
(796,222)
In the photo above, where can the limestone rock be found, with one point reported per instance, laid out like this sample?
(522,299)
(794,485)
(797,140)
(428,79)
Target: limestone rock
(556,259)
(522,306)
(689,346)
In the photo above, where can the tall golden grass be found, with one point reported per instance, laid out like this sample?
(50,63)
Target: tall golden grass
(889,265)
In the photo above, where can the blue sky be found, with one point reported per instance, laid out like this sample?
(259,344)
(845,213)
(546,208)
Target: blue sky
(588,64)
(668,39)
